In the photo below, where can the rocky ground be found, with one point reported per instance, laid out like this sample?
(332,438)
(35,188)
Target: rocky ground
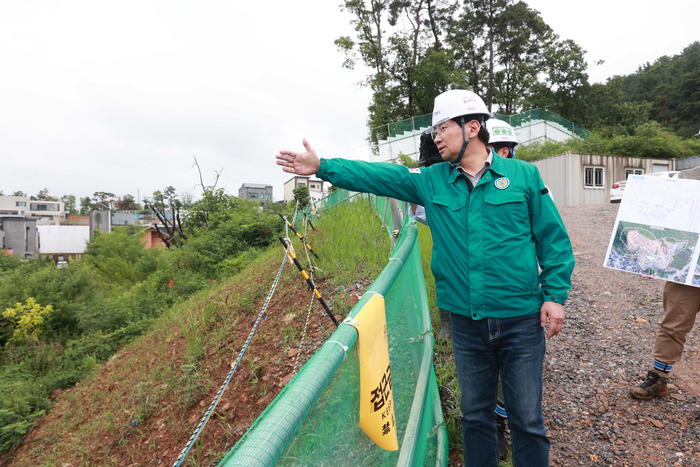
(605,348)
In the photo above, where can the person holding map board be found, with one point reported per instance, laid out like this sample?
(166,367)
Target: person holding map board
(681,306)
(492,221)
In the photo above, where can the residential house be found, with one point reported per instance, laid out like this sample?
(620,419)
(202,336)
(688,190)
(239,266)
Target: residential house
(45,212)
(256,192)
(19,234)
(151,239)
(316,187)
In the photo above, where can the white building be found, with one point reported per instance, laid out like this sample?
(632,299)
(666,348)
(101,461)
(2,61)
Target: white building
(44,212)
(577,179)
(317,190)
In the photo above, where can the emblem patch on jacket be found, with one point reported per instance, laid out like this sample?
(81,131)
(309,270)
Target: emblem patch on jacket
(502,183)
(414,171)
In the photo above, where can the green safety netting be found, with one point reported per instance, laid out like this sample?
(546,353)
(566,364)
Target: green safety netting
(543,115)
(410,126)
(315,418)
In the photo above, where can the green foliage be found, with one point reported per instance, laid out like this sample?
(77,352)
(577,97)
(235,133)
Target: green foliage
(126,203)
(499,49)
(671,85)
(360,246)
(505,52)
(85,205)
(406,161)
(301,195)
(647,140)
(9,262)
(111,296)
(43,195)
(27,320)
(70,204)
(102,196)
(211,209)
(119,257)
(22,402)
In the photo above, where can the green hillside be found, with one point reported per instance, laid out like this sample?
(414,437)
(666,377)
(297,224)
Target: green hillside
(141,405)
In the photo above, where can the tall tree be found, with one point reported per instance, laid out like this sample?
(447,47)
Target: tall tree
(367,17)
(672,85)
(420,48)
(70,204)
(564,82)
(126,203)
(43,195)
(104,198)
(301,195)
(469,51)
(85,205)
(523,39)
(609,113)
(166,208)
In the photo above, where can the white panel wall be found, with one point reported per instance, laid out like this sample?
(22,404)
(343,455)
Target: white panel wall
(539,132)
(552,174)
(389,150)
(63,238)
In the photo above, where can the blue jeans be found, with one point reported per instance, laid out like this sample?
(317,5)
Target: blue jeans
(515,347)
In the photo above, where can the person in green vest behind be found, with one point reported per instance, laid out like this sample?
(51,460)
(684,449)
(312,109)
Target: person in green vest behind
(492,222)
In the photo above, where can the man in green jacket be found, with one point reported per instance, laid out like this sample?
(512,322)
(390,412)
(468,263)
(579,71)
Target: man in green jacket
(491,221)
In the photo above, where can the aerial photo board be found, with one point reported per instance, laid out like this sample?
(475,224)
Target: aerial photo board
(657,230)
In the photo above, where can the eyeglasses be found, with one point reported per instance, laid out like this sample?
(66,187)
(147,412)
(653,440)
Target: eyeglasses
(440,130)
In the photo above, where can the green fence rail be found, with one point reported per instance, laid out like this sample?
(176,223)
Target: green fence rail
(315,418)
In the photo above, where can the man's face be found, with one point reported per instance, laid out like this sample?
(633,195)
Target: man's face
(448,137)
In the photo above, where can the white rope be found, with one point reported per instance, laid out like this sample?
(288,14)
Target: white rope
(344,347)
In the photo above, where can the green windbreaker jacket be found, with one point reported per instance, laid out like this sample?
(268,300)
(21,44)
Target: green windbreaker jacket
(487,243)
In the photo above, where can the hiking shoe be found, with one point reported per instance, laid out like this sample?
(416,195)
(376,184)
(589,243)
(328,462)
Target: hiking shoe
(503,450)
(445,325)
(653,386)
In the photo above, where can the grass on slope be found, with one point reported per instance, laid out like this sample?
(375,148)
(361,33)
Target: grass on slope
(142,405)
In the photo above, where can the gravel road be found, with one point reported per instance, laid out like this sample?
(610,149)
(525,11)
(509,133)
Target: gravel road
(604,349)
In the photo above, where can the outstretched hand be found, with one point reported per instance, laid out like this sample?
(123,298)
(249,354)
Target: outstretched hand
(300,163)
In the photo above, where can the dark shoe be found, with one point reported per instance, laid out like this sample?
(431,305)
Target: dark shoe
(445,325)
(503,450)
(653,386)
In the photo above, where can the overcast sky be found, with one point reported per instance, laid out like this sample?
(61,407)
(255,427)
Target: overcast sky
(119,96)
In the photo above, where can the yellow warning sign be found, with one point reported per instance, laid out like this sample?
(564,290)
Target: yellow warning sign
(377,418)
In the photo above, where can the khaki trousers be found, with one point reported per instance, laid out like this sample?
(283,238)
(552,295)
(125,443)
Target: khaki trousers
(681,305)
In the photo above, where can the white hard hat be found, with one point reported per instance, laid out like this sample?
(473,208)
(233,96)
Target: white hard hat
(697,136)
(458,102)
(500,132)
